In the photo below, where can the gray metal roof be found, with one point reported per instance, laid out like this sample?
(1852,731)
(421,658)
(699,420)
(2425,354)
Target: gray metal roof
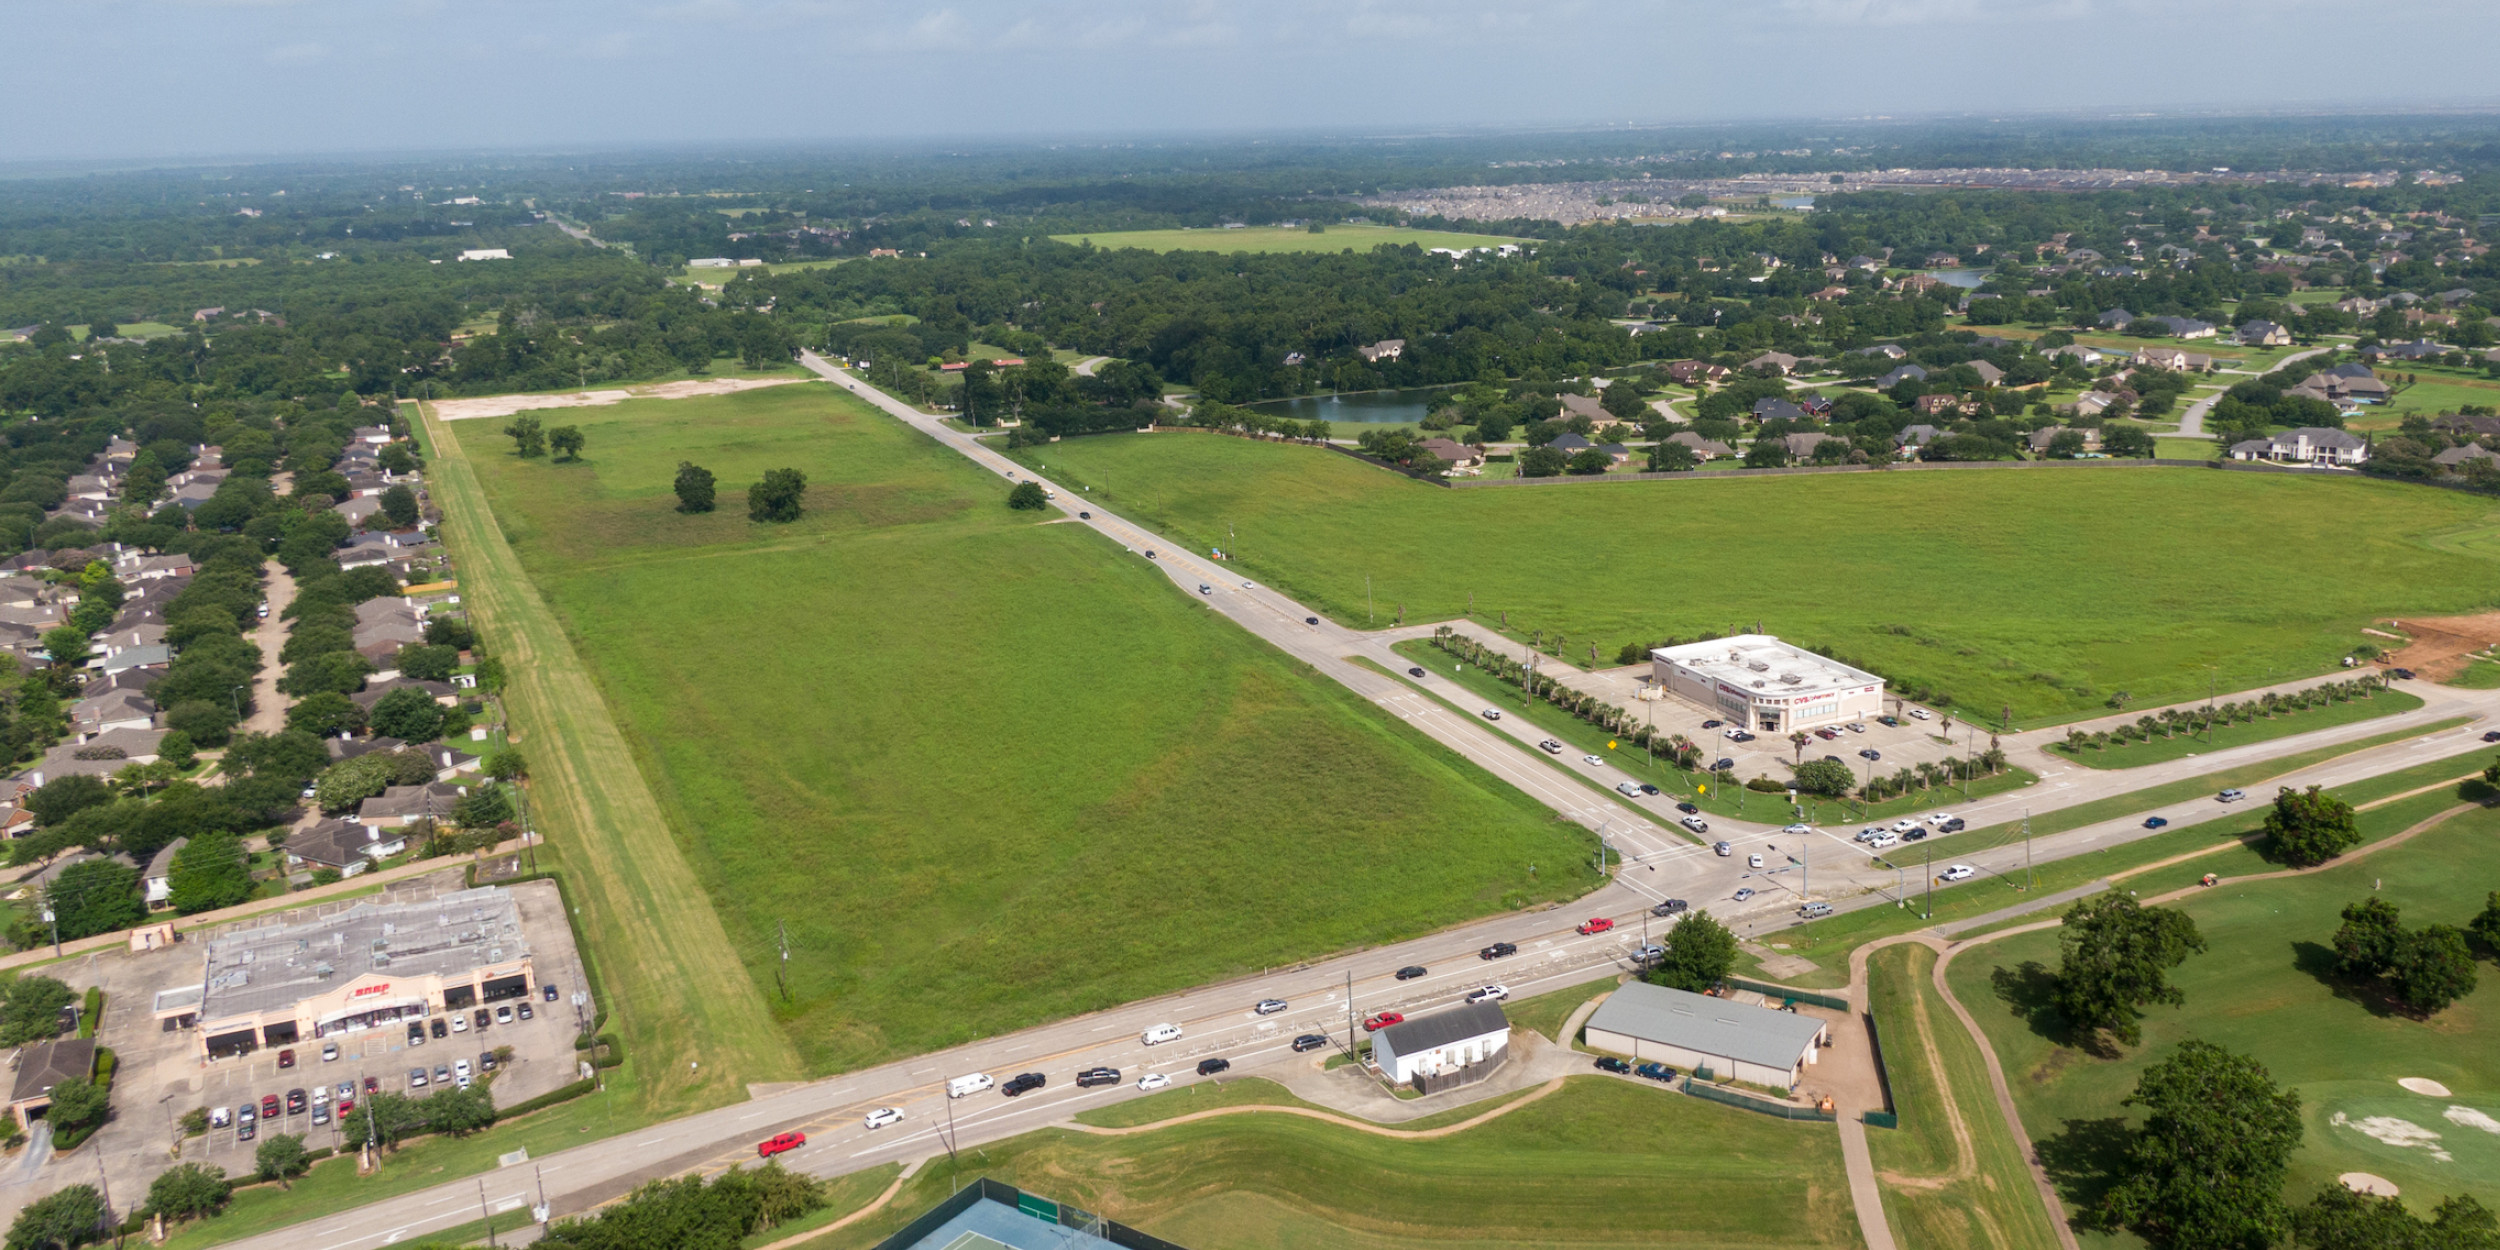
(272,966)
(1711,1026)
(1444,1027)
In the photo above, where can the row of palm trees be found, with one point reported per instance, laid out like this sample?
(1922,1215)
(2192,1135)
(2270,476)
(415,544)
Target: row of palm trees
(2173,722)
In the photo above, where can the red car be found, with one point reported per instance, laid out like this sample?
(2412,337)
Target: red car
(286,1059)
(1599,925)
(269,1107)
(780,1142)
(1383,1020)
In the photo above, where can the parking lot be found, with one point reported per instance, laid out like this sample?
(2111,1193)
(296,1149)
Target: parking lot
(162,1076)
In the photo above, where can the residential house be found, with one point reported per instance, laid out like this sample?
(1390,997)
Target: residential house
(1704,448)
(2263,334)
(375,435)
(2419,349)
(1690,371)
(1455,454)
(2184,327)
(342,846)
(1988,373)
(43,1065)
(1889,351)
(2307,445)
(2455,296)
(156,657)
(358,510)
(1569,444)
(1912,437)
(2456,458)
(120,709)
(2114,319)
(1815,405)
(399,806)
(2040,439)
(1385,349)
(101,756)
(441,692)
(1585,406)
(1770,408)
(1898,376)
(2172,358)
(1780,363)
(160,875)
(2090,404)
(2077,352)
(1935,402)
(1801,446)
(2467,426)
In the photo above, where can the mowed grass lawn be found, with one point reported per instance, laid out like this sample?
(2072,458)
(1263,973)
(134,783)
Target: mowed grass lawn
(985,770)
(1598,1163)
(2262,991)
(2042,590)
(1266,239)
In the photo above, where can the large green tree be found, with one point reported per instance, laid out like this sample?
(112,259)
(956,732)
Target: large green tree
(31,1009)
(2205,1170)
(78,1105)
(399,505)
(778,497)
(529,435)
(408,714)
(210,872)
(694,487)
(1699,953)
(2117,959)
(2310,827)
(2341,1219)
(2371,935)
(567,441)
(96,896)
(189,1191)
(66,1218)
(2433,969)
(282,1158)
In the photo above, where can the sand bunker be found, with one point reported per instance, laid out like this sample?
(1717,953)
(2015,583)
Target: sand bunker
(506,405)
(2425,1086)
(2468,1117)
(2365,1183)
(2402,1134)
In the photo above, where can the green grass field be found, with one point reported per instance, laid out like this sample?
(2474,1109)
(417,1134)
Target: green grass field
(1953,1176)
(1268,239)
(2262,991)
(986,771)
(1599,1163)
(2042,590)
(2224,737)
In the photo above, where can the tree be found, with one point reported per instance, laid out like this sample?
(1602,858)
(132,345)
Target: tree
(66,647)
(567,441)
(1028,497)
(694,487)
(2486,924)
(427,661)
(529,436)
(2116,961)
(1700,951)
(189,1191)
(777,497)
(326,714)
(2433,969)
(2344,1219)
(1828,778)
(1588,462)
(282,1158)
(408,714)
(66,1218)
(345,784)
(63,797)
(1542,462)
(1622,400)
(2367,943)
(177,751)
(78,1105)
(505,764)
(211,871)
(1767,453)
(2205,1172)
(96,896)
(400,505)
(2127,441)
(31,1009)
(1669,457)
(2309,828)
(482,808)
(460,1112)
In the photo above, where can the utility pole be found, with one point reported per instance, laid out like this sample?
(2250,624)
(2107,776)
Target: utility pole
(543,1210)
(105,1190)
(1931,885)
(2029,879)
(485,1214)
(950,1130)
(781,971)
(1368,615)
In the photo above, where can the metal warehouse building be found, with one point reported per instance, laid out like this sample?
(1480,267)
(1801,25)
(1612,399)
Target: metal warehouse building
(1766,685)
(369,966)
(1687,1030)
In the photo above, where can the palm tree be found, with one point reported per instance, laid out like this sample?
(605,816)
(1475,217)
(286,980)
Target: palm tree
(1799,739)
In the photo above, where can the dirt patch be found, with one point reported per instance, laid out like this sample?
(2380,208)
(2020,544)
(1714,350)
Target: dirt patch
(507,405)
(2441,644)
(2425,1086)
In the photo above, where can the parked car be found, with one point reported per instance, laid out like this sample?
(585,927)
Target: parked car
(1269,1006)
(1867,834)
(2231,796)
(2401,674)
(1669,907)
(417,1078)
(1904,825)
(1743,894)
(1743,736)
(1696,824)
(295,1101)
(320,1095)
(2156,822)
(1490,994)
(882,1117)
(503,1014)
(482,1017)
(269,1106)
(373,1084)
(246,1113)
(1608,1063)
(286,1059)
(526,1013)
(347,1092)
(1153,1080)
(1723,765)
(1958,872)
(1091,1077)
(1870,753)
(442,1073)
(459,1024)
(1888,721)
(1655,1072)
(547,990)
(416,1034)
(1023,1082)
(1209,1067)
(220,1117)
(1499,950)
(1492,714)
(1712,724)
(246,1131)
(1857,726)
(1374,1024)
(1885,839)
(1920,713)
(321,1114)
(1410,972)
(485,1061)
(1550,747)
(780,1143)
(329,1052)
(1595,924)
(1309,1042)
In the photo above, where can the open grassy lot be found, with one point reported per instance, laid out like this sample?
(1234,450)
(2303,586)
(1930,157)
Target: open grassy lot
(985,770)
(2223,737)
(1598,1163)
(1953,1177)
(2264,989)
(1283,239)
(2044,590)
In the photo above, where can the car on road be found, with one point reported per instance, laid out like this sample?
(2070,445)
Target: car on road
(1374,1024)
(1595,924)
(2491,735)
(1951,824)
(1085,516)
(1492,714)
(1712,724)
(881,1117)
(286,1059)
(1609,1063)
(1092,1077)
(1550,747)
(1870,753)
(1209,1067)
(1310,620)
(1688,809)
(1627,790)
(1696,824)
(1724,849)
(1914,835)
(1598,760)
(1670,907)
(1754,860)
(1797,830)
(2156,822)
(1814,911)
(967,1086)
(1743,894)
(1249,585)
(1655,1072)
(780,1143)
(417,1078)
(329,1052)
(2401,674)
(1650,954)
(1205,589)
(1723,764)
(1023,1082)
(1490,994)
(1309,1042)
(295,1101)
(1269,1006)
(1414,672)
(1150,553)
(1958,872)
(548,990)
(1153,1080)
(1885,839)
(1499,950)
(1647,788)
(2231,796)
(1410,972)
(1159,1034)
(1920,713)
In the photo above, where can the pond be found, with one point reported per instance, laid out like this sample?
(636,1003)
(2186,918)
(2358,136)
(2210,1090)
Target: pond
(1967,279)
(1793,201)
(1400,407)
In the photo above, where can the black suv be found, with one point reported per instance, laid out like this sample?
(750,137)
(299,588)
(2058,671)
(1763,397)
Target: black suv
(1669,907)
(1612,1064)
(1497,951)
(1410,972)
(416,1033)
(1209,1067)
(1028,1081)
(439,1029)
(1092,1077)
(1309,1041)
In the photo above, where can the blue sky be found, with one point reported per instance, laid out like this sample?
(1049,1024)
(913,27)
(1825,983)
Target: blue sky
(169,78)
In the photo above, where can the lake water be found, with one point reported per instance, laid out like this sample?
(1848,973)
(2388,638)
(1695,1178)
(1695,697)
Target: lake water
(1405,407)
(1793,201)
(1967,279)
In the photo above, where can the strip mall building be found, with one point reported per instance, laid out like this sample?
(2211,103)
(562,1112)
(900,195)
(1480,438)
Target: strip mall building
(370,966)
(1765,685)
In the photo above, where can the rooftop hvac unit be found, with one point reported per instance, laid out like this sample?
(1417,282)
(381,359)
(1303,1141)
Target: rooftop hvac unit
(1758,666)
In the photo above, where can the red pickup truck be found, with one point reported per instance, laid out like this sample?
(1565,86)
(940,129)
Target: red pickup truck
(1599,925)
(780,1142)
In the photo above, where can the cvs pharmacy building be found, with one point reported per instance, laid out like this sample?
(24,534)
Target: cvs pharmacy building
(1765,685)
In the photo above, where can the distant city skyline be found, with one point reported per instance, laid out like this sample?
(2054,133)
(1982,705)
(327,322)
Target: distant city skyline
(143,79)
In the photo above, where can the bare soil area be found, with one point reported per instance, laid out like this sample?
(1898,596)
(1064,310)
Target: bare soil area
(2440,645)
(507,405)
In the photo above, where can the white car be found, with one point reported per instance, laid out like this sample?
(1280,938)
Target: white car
(1753,861)
(1153,1080)
(460,1068)
(1958,872)
(1730,734)
(1884,839)
(1269,1006)
(1598,760)
(1920,713)
(1650,954)
(1904,826)
(1798,830)
(883,1116)
(1697,825)
(1490,994)
(1492,714)
(219,1117)
(459,1023)
(1628,790)
(1249,585)
(1857,726)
